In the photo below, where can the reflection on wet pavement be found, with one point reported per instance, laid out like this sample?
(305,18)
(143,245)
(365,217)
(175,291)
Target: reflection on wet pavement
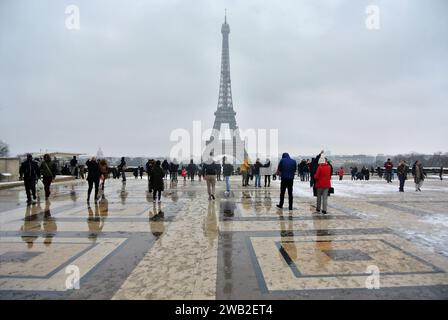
(237,247)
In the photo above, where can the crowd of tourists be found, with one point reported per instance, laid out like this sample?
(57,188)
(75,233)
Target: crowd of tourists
(318,172)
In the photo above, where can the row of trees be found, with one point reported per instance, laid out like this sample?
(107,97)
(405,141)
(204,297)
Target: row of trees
(4,149)
(438,159)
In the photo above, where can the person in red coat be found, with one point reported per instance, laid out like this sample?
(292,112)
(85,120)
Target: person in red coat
(341,173)
(322,179)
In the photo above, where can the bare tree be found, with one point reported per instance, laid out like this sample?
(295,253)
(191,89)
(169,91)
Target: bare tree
(4,149)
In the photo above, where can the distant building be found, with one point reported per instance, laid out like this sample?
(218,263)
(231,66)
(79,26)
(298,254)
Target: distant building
(99,154)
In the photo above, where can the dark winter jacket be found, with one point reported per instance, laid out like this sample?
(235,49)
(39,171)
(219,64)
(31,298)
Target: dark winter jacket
(313,168)
(418,172)
(257,167)
(73,163)
(402,170)
(209,169)
(29,170)
(287,167)
(174,167)
(122,165)
(227,169)
(93,170)
(192,168)
(157,178)
(165,165)
(48,169)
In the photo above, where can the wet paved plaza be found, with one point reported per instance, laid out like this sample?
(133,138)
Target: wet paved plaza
(237,247)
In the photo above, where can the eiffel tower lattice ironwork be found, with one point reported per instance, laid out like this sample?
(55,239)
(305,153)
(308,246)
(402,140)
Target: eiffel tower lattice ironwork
(225,114)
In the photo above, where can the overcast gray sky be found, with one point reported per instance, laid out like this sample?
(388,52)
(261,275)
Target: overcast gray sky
(136,70)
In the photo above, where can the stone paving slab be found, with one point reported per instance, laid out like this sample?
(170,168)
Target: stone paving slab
(236,247)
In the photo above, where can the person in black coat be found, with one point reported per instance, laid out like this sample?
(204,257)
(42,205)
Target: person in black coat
(174,168)
(93,177)
(141,170)
(157,184)
(191,169)
(29,172)
(313,168)
(122,168)
(149,166)
(165,168)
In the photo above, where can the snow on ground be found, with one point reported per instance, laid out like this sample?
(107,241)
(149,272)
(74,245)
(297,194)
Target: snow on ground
(354,189)
(437,219)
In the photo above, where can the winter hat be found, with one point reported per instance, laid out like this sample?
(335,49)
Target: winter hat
(322,159)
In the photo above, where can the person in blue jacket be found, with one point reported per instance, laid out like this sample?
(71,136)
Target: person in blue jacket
(286,170)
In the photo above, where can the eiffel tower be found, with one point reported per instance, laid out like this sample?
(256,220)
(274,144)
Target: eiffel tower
(231,145)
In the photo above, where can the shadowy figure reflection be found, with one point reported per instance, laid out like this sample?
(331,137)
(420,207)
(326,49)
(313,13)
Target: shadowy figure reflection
(73,194)
(210,224)
(38,221)
(321,226)
(94,222)
(49,224)
(288,247)
(156,220)
(246,200)
(104,207)
(227,208)
(31,225)
(267,201)
(174,195)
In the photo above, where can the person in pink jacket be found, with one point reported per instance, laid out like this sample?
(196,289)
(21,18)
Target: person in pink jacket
(341,173)
(322,179)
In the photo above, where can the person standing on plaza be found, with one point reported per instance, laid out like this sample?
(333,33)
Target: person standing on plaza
(48,171)
(341,173)
(441,173)
(419,175)
(244,170)
(136,170)
(227,170)
(306,170)
(300,170)
(141,171)
(29,172)
(218,171)
(184,174)
(191,169)
(157,184)
(104,170)
(149,166)
(286,169)
(73,165)
(93,177)
(402,172)
(209,172)
(122,168)
(174,167)
(322,179)
(267,173)
(388,167)
(354,173)
(379,171)
(199,172)
(257,175)
(165,168)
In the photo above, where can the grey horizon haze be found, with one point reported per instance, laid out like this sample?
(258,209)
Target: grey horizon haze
(137,70)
